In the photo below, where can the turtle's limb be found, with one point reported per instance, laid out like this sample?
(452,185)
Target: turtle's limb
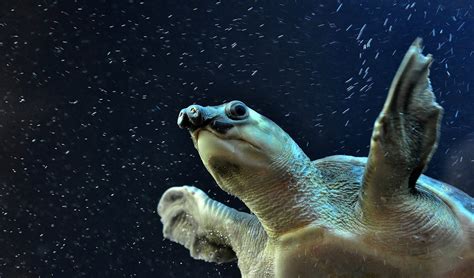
(406,132)
(210,230)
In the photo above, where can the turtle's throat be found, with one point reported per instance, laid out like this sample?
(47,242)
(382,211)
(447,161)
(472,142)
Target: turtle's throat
(284,198)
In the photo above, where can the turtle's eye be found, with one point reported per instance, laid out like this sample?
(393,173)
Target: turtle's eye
(236,110)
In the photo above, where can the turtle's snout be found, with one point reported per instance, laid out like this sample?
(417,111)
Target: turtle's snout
(192,117)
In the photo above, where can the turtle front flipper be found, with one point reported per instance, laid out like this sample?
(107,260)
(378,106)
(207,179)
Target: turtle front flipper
(405,134)
(210,230)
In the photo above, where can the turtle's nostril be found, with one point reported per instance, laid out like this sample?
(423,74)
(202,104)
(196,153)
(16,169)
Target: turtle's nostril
(183,120)
(190,117)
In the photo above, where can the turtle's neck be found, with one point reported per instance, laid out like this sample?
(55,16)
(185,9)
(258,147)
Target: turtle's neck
(284,195)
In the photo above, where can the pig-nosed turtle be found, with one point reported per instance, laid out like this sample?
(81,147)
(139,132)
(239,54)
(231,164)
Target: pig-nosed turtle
(340,216)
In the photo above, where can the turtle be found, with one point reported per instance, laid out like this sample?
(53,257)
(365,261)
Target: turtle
(338,216)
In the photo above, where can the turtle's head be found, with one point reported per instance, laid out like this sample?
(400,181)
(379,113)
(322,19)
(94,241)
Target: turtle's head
(240,147)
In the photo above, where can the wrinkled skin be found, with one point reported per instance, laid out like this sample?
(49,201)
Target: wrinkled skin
(340,216)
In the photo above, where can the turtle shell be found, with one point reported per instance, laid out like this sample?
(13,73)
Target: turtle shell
(450,194)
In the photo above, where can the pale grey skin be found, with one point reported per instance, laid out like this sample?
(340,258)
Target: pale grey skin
(339,216)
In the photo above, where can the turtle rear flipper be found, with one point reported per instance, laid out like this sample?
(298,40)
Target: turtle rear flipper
(405,134)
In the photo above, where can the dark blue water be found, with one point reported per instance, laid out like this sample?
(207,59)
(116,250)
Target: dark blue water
(90,92)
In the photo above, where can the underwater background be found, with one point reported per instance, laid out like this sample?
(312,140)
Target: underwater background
(90,92)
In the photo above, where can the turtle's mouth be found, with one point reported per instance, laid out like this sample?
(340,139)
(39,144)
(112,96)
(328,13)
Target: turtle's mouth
(195,135)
